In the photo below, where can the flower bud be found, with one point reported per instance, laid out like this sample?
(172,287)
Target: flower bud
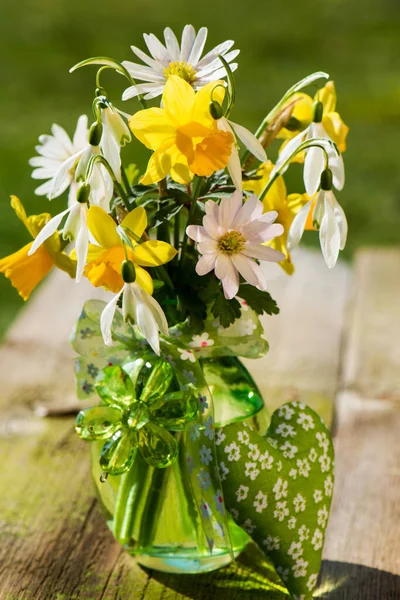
(318,109)
(215,110)
(293,124)
(128,271)
(326,180)
(95,133)
(83,193)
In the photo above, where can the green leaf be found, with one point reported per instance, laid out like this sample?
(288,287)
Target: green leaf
(227,311)
(260,302)
(279,489)
(166,213)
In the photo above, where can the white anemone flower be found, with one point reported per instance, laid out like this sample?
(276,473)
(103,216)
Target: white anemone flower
(314,162)
(58,159)
(174,59)
(326,215)
(232,236)
(250,142)
(137,307)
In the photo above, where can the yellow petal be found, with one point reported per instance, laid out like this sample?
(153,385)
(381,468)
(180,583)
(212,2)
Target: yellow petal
(26,272)
(327,95)
(153,253)
(103,227)
(178,100)
(152,127)
(201,112)
(136,222)
(212,153)
(143,278)
(103,268)
(302,111)
(336,129)
(160,164)
(276,196)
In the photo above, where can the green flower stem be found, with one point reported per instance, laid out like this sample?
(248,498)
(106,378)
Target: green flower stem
(125,180)
(196,187)
(154,502)
(163,229)
(188,496)
(313,142)
(128,499)
(177,230)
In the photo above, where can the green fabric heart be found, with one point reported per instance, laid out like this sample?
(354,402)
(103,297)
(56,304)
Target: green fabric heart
(279,489)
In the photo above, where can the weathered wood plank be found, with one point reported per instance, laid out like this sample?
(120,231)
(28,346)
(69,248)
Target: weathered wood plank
(372,366)
(364,527)
(305,338)
(35,358)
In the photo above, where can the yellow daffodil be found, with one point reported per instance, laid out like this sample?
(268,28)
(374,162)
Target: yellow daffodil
(26,272)
(185,138)
(104,261)
(331,121)
(277,199)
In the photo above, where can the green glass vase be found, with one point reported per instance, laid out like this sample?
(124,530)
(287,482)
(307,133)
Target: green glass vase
(151,511)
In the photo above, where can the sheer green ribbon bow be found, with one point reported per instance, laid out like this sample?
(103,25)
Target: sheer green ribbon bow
(141,410)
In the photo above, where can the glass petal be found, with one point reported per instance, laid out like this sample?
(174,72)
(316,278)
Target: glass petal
(116,387)
(118,454)
(158,382)
(174,410)
(158,447)
(98,423)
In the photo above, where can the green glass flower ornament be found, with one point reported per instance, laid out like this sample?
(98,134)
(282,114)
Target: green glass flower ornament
(137,415)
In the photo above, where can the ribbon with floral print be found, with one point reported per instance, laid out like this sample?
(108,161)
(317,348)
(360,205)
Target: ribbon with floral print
(100,370)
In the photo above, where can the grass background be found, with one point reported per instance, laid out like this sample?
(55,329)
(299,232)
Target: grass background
(356,42)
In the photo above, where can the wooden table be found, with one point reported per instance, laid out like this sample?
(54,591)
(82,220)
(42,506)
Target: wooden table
(335,343)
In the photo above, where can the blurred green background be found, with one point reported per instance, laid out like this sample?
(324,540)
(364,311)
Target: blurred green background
(280,42)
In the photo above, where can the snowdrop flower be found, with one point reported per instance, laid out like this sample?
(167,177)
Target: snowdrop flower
(183,60)
(58,159)
(328,216)
(75,228)
(231,237)
(137,307)
(251,143)
(115,135)
(315,158)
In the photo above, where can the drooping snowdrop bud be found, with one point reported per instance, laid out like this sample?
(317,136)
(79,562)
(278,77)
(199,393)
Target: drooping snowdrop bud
(95,133)
(216,110)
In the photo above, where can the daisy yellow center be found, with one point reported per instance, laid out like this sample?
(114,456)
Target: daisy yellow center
(182,69)
(231,243)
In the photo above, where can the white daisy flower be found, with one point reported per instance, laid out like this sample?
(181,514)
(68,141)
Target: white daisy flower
(231,237)
(58,158)
(173,59)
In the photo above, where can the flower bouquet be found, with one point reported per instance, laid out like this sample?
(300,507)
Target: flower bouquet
(187,463)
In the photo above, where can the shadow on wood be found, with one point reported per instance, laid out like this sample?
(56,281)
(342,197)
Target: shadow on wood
(250,577)
(347,581)
(253,577)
